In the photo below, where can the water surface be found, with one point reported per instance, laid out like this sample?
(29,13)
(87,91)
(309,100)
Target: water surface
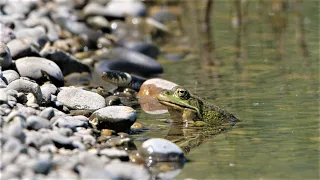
(274,92)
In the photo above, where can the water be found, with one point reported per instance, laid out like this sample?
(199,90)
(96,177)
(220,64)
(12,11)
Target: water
(274,92)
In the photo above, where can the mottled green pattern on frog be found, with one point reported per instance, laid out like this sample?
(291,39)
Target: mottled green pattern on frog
(196,109)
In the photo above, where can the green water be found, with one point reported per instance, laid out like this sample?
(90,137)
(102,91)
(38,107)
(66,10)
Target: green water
(277,100)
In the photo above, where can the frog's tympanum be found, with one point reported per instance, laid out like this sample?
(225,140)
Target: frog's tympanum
(193,108)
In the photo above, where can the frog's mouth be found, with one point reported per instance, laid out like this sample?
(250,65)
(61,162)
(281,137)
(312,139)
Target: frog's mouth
(175,106)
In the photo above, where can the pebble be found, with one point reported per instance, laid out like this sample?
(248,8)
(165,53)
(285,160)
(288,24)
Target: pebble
(15,128)
(38,68)
(3,96)
(26,86)
(5,56)
(118,118)
(60,141)
(37,122)
(75,98)
(120,8)
(145,48)
(10,75)
(159,149)
(22,47)
(66,62)
(88,172)
(113,153)
(47,113)
(113,100)
(48,90)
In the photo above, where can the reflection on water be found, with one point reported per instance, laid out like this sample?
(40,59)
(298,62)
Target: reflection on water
(277,100)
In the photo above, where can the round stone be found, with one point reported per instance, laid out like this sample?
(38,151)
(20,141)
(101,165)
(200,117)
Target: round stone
(37,122)
(120,8)
(148,93)
(5,56)
(75,98)
(159,149)
(118,118)
(10,75)
(38,68)
(22,85)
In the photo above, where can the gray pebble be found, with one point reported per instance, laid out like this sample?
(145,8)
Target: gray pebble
(3,84)
(118,118)
(113,100)
(21,48)
(121,9)
(37,139)
(87,172)
(47,113)
(49,148)
(12,171)
(113,153)
(75,98)
(62,174)
(42,166)
(69,122)
(3,96)
(60,141)
(38,68)
(37,122)
(10,75)
(15,128)
(22,85)
(32,101)
(124,170)
(48,90)
(5,56)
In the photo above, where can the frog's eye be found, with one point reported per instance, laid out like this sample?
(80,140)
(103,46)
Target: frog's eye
(183,94)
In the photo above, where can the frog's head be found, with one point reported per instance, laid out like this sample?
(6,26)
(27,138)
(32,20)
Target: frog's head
(180,99)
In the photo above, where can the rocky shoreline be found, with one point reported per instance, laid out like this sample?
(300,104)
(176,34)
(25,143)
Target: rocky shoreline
(56,124)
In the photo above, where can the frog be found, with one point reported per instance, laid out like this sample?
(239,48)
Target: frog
(192,108)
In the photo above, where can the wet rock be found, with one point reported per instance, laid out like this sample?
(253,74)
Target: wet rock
(22,47)
(37,122)
(139,64)
(47,90)
(113,100)
(147,49)
(152,87)
(5,56)
(118,118)
(40,68)
(148,93)
(67,63)
(75,98)
(10,75)
(159,149)
(125,170)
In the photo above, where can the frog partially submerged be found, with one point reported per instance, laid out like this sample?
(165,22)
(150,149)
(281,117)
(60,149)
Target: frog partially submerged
(193,108)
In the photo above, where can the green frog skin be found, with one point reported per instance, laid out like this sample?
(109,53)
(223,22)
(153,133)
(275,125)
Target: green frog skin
(193,108)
